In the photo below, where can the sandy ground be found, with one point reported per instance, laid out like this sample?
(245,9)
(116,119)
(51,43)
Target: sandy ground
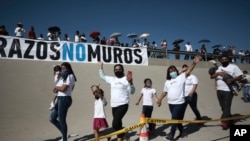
(26,92)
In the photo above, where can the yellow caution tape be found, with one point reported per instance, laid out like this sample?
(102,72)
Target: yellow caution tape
(164,121)
(124,130)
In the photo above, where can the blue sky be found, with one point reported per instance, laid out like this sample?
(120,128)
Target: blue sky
(225,22)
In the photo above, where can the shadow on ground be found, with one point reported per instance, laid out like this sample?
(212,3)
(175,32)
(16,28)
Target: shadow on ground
(189,128)
(106,131)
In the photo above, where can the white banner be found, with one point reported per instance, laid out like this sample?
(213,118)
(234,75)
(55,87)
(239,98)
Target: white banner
(28,49)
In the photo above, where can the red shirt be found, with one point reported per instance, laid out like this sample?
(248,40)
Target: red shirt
(32,34)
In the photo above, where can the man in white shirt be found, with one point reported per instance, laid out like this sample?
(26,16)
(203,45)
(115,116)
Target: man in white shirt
(188,48)
(224,94)
(121,86)
(19,30)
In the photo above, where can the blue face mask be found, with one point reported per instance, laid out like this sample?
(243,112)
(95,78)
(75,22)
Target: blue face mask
(64,73)
(173,74)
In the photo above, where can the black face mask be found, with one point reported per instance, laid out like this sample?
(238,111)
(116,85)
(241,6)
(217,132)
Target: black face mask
(96,97)
(224,64)
(119,74)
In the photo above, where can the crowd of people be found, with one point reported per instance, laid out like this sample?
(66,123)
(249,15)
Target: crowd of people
(179,88)
(54,33)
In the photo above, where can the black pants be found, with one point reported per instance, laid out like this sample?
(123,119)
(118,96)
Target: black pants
(192,102)
(118,113)
(225,100)
(147,111)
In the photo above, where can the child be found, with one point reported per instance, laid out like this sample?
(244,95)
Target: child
(99,112)
(57,70)
(148,93)
(233,86)
(245,84)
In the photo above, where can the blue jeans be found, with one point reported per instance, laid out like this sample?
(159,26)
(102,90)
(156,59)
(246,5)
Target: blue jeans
(177,112)
(192,102)
(245,92)
(186,57)
(225,100)
(59,114)
(233,84)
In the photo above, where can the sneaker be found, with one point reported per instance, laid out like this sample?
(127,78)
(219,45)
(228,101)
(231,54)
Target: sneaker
(52,105)
(181,135)
(235,93)
(72,135)
(224,125)
(239,88)
(169,137)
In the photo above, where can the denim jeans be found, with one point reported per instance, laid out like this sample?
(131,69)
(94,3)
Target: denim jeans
(186,57)
(245,92)
(177,112)
(225,100)
(233,84)
(192,102)
(59,114)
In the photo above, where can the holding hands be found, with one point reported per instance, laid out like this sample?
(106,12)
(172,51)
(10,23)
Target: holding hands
(159,103)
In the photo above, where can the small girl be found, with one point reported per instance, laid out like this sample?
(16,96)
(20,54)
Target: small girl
(148,93)
(99,120)
(57,70)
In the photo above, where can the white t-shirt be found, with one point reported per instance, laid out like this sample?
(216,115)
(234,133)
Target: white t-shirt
(119,90)
(19,31)
(77,38)
(247,77)
(99,108)
(231,69)
(145,44)
(175,89)
(163,44)
(148,95)
(49,35)
(190,81)
(188,47)
(70,81)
